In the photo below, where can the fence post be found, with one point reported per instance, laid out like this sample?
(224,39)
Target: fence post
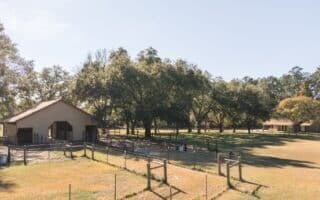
(92,152)
(71,152)
(168,154)
(193,157)
(25,155)
(219,164)
(49,151)
(165,172)
(9,155)
(217,149)
(69,191)
(115,186)
(148,175)
(125,159)
(107,154)
(206,187)
(240,168)
(85,149)
(228,174)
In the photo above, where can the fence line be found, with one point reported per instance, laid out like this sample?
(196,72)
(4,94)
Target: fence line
(105,149)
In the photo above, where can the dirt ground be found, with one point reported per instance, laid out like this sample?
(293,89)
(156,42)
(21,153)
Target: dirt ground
(33,155)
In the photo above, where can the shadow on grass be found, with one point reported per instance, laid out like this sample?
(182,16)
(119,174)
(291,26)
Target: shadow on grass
(175,192)
(269,161)
(6,186)
(242,142)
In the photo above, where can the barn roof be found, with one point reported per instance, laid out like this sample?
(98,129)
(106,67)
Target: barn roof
(308,123)
(39,107)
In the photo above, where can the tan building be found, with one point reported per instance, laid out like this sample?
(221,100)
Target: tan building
(280,125)
(290,126)
(311,126)
(1,130)
(50,120)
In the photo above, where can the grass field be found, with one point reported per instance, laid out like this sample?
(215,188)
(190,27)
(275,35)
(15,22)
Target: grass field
(88,179)
(282,166)
(276,166)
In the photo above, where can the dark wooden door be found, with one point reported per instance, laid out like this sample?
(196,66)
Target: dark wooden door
(24,136)
(91,134)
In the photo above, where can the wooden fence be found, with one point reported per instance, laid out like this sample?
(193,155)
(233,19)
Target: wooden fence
(231,161)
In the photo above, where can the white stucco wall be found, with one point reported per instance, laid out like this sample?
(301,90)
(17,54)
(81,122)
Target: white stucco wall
(60,111)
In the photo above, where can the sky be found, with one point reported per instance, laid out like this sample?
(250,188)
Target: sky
(231,39)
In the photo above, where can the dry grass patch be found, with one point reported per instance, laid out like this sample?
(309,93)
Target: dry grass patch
(89,180)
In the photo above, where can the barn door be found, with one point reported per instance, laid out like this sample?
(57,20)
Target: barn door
(24,136)
(91,134)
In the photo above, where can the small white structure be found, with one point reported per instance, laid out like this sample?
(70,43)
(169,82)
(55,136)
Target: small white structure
(50,120)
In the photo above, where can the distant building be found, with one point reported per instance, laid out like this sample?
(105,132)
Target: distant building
(280,125)
(1,130)
(311,126)
(287,125)
(50,120)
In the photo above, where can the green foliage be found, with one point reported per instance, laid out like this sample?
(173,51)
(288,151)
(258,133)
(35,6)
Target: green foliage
(52,83)
(252,105)
(299,109)
(90,86)
(15,76)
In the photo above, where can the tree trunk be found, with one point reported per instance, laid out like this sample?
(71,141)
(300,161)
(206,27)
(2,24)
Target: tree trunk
(155,126)
(234,129)
(147,127)
(128,127)
(133,126)
(198,127)
(205,126)
(249,129)
(189,129)
(221,127)
(177,129)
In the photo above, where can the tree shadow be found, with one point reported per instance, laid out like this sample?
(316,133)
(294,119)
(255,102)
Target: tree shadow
(175,192)
(243,143)
(6,186)
(270,161)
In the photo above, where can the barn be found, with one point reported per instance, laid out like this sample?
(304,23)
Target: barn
(54,120)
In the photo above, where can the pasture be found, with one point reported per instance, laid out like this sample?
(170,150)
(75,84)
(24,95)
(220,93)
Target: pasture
(275,166)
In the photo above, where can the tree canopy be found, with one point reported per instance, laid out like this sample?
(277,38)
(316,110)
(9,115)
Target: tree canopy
(299,109)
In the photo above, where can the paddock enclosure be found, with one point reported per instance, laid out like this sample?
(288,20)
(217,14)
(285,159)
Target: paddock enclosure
(253,166)
(163,178)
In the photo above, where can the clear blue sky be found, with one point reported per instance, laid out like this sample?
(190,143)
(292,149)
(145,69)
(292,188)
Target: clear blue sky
(227,38)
